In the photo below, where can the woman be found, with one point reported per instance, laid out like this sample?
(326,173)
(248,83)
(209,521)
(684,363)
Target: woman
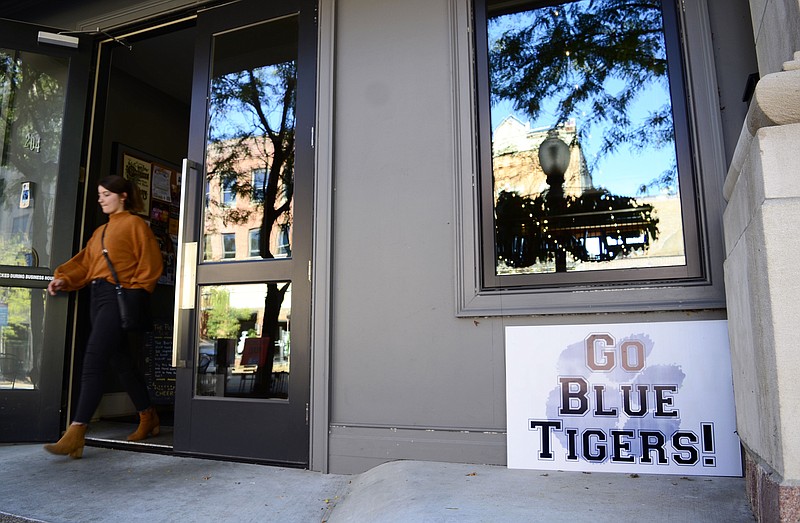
(135,254)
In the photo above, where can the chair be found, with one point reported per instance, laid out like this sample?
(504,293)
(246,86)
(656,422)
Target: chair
(254,356)
(10,367)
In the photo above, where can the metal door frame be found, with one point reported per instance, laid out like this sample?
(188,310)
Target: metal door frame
(192,433)
(40,416)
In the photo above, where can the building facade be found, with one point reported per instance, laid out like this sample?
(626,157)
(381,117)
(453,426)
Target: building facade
(376,259)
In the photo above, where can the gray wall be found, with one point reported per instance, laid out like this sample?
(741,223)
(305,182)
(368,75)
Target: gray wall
(132,109)
(400,357)
(409,379)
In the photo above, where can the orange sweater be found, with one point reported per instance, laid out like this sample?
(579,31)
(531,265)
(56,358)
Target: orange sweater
(133,250)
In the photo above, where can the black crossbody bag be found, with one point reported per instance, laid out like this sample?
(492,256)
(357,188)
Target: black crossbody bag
(132,302)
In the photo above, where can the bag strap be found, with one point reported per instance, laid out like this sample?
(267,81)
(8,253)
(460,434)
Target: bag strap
(105,253)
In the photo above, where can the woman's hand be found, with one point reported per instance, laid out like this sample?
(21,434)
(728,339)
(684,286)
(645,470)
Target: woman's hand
(54,286)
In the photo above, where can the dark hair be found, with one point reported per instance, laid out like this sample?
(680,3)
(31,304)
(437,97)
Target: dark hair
(118,185)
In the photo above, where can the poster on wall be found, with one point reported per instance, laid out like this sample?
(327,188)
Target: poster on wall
(162,183)
(138,172)
(651,398)
(159,184)
(159,372)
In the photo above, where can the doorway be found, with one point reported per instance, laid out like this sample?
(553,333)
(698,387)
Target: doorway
(228,360)
(140,130)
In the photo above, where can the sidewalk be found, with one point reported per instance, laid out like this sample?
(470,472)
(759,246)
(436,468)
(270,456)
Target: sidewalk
(120,486)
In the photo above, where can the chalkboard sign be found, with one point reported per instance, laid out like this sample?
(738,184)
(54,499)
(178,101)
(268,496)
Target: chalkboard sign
(159,373)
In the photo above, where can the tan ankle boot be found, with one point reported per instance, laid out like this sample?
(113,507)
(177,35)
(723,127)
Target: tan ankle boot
(148,424)
(71,443)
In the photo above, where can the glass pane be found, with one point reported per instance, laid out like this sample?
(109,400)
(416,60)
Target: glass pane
(32,89)
(250,144)
(583,141)
(244,340)
(21,335)
(228,245)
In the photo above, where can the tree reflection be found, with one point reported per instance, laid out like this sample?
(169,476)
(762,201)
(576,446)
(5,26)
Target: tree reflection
(596,226)
(598,63)
(32,99)
(252,130)
(32,94)
(594,58)
(20,357)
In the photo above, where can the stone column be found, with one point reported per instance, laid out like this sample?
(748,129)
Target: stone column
(762,284)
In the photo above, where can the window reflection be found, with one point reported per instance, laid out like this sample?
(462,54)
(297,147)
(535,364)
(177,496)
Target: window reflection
(32,91)
(244,344)
(21,330)
(254,242)
(250,143)
(228,245)
(583,149)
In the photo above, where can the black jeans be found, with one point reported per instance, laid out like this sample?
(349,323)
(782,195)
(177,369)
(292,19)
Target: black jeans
(106,347)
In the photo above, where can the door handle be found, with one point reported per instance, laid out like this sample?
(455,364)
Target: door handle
(185,273)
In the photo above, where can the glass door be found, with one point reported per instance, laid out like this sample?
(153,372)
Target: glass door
(243,305)
(43,82)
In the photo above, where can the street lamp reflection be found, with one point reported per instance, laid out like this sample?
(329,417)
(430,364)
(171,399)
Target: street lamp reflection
(554,156)
(590,224)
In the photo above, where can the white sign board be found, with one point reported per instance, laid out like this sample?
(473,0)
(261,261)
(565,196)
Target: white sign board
(634,397)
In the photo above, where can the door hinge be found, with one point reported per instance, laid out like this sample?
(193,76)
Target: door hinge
(309,270)
(307,411)
(312,137)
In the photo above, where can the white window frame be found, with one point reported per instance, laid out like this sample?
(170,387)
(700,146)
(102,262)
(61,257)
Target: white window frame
(225,252)
(254,182)
(251,233)
(227,195)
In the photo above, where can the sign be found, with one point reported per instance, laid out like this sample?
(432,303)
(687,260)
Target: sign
(634,398)
(159,372)
(25,276)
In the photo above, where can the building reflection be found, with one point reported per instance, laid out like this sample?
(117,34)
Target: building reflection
(555,219)
(236,358)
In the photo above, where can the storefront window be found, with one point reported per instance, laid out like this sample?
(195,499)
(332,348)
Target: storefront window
(586,168)
(32,98)
(21,330)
